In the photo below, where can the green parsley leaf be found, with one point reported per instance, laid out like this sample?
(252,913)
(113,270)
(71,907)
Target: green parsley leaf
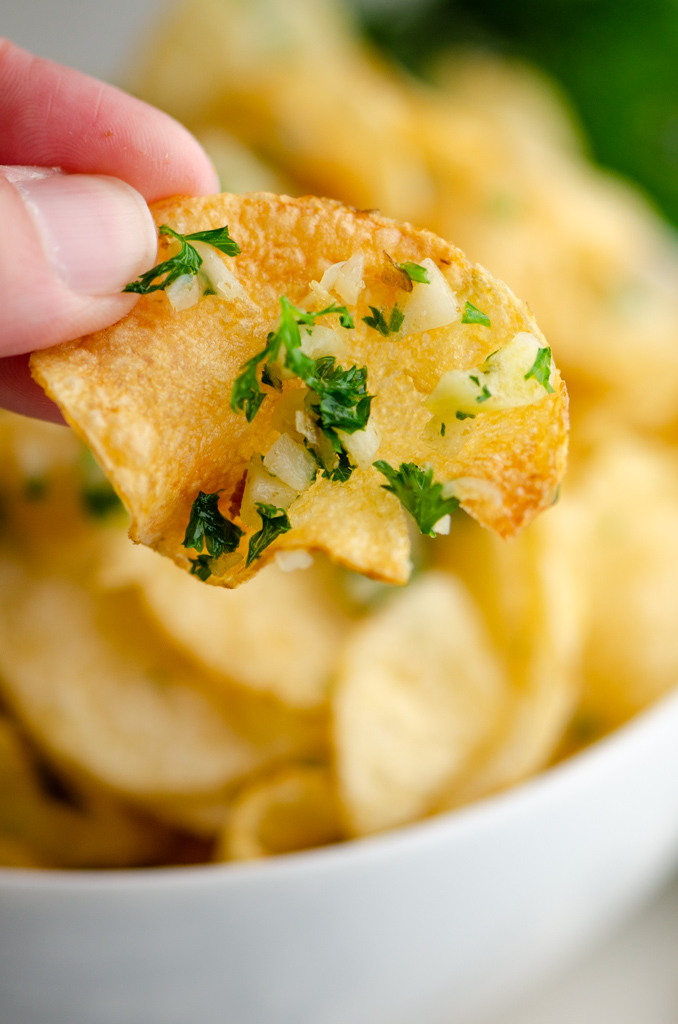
(342,472)
(415,272)
(274,522)
(465,415)
(207,524)
(218,238)
(541,369)
(418,493)
(442,430)
(246,395)
(200,567)
(186,261)
(379,322)
(484,394)
(344,403)
(472,315)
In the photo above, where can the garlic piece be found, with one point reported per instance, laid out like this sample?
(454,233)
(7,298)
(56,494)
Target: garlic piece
(429,305)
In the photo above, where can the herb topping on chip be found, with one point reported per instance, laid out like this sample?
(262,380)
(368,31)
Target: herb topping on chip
(541,369)
(274,522)
(207,525)
(379,322)
(187,261)
(417,491)
(473,315)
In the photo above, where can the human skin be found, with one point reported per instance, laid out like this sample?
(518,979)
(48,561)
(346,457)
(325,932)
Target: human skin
(79,162)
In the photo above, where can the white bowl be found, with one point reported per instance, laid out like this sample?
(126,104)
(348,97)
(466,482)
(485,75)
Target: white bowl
(441,922)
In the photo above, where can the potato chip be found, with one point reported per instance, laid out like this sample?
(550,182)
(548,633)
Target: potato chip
(49,820)
(490,158)
(419,691)
(531,596)
(279,635)
(96,689)
(622,513)
(295,808)
(151,394)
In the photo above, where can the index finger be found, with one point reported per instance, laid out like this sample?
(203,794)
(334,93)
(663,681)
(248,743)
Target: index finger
(54,116)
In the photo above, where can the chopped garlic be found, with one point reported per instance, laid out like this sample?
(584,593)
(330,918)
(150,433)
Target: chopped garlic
(475,490)
(319,341)
(221,278)
(261,487)
(442,527)
(429,305)
(498,383)
(362,445)
(305,425)
(291,463)
(184,292)
(346,278)
(289,561)
(221,565)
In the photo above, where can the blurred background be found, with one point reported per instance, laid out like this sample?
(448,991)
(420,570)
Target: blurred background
(615,59)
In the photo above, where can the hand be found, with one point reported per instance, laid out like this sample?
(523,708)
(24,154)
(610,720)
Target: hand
(82,161)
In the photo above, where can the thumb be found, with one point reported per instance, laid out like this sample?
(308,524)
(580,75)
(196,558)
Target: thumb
(71,242)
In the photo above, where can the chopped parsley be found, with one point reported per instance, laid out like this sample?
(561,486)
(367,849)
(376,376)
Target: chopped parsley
(415,272)
(417,491)
(442,430)
(208,525)
(379,322)
(274,522)
(200,567)
(484,394)
(186,261)
(247,395)
(541,369)
(342,471)
(343,402)
(465,415)
(473,315)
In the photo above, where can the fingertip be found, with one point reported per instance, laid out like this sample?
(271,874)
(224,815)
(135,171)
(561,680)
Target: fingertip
(21,394)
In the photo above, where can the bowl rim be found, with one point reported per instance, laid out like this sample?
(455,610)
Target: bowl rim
(476,816)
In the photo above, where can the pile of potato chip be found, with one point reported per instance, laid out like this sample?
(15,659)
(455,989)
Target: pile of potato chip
(146,718)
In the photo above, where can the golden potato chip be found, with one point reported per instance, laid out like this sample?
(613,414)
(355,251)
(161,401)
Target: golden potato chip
(151,394)
(49,820)
(419,691)
(294,808)
(532,600)
(279,635)
(621,513)
(87,678)
(490,158)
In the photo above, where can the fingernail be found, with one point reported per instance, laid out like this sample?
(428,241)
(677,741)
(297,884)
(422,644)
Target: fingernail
(97,231)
